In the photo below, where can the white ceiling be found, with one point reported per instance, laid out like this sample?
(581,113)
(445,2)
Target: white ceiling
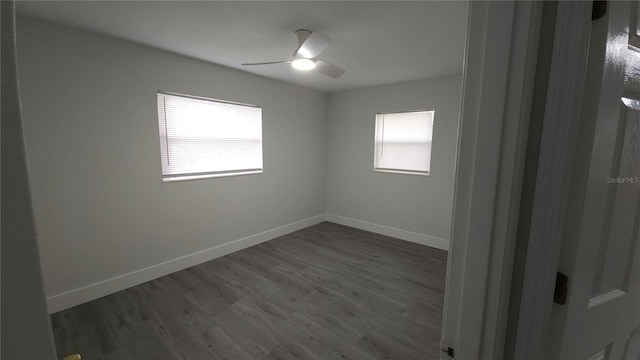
(376,42)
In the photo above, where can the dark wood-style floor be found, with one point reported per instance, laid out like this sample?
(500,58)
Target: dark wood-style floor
(324,292)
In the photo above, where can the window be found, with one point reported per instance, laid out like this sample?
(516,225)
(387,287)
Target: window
(202,138)
(403,142)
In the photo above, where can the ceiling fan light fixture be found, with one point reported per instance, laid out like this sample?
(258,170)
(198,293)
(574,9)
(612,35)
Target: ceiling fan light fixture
(304,58)
(303,64)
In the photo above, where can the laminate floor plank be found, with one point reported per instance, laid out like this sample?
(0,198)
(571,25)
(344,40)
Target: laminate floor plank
(218,340)
(293,342)
(322,293)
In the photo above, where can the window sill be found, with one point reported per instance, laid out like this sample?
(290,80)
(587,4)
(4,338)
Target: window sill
(176,178)
(405,172)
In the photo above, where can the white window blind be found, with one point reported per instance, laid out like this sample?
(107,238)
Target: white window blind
(403,142)
(202,138)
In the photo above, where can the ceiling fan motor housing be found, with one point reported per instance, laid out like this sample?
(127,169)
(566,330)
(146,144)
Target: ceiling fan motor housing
(302,35)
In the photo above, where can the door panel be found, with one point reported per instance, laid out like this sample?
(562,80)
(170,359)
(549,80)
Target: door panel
(603,309)
(602,354)
(632,347)
(634,28)
(620,212)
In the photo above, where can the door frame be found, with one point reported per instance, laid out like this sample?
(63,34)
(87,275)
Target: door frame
(555,165)
(498,86)
(489,179)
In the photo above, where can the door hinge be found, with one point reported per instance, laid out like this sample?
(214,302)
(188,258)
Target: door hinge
(449,351)
(562,288)
(599,9)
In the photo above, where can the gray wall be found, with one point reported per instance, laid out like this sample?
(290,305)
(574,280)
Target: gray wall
(101,209)
(105,220)
(418,204)
(26,331)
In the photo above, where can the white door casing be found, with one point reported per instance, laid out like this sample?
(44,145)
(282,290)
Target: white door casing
(498,80)
(552,183)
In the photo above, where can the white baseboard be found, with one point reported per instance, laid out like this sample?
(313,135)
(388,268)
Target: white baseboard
(97,290)
(422,239)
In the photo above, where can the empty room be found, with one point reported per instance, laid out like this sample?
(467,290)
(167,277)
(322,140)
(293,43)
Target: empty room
(306,232)
(320,180)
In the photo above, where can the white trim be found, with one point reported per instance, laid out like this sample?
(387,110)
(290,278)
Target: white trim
(498,77)
(102,288)
(555,163)
(417,238)
(94,291)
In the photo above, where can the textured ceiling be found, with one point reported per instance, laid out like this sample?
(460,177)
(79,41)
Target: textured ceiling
(376,42)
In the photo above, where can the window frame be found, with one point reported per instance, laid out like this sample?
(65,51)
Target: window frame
(404,171)
(168,176)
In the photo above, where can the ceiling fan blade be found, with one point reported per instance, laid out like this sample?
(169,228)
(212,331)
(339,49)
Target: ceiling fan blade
(328,69)
(267,63)
(313,45)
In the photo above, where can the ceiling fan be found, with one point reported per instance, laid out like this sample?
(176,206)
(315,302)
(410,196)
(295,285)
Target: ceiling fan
(310,45)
